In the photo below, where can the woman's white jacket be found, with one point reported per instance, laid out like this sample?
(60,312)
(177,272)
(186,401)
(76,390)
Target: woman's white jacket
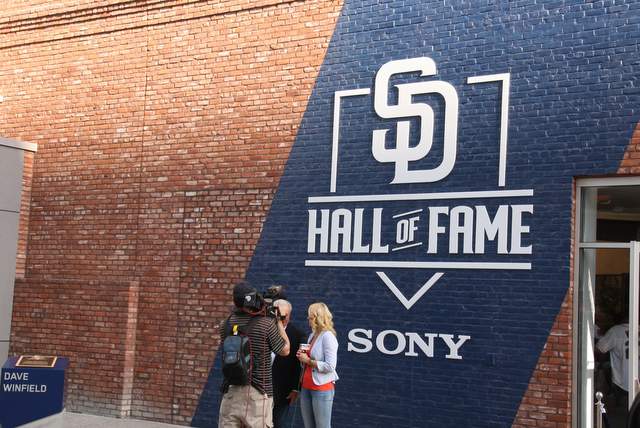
(325,353)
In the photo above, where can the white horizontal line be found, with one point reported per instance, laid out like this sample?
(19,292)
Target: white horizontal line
(353,92)
(423,196)
(407,246)
(417,265)
(487,78)
(407,213)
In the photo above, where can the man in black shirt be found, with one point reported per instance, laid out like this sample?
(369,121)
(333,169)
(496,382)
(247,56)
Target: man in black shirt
(286,371)
(251,405)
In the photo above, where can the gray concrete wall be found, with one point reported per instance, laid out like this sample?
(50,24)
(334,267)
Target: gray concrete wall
(11,168)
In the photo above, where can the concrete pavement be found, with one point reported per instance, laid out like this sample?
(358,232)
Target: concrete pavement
(78,420)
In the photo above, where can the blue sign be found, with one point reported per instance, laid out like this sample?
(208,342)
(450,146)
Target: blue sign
(428,197)
(31,393)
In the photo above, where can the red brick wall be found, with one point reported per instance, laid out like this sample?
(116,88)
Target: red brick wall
(547,402)
(631,161)
(25,203)
(214,220)
(162,128)
(83,320)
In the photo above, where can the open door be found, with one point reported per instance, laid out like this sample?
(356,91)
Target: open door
(606,304)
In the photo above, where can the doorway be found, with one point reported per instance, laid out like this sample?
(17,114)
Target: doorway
(606,298)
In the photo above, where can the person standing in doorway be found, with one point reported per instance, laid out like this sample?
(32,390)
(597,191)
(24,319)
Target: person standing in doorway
(319,368)
(616,342)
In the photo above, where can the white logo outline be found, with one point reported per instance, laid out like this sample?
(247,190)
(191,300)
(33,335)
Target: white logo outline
(420,64)
(403,154)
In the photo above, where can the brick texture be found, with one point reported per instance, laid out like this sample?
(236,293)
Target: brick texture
(85,321)
(163,129)
(631,162)
(547,402)
(25,206)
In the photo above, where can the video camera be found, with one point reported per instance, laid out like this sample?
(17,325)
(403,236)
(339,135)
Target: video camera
(255,301)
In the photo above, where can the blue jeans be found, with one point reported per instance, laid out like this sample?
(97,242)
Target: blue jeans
(315,407)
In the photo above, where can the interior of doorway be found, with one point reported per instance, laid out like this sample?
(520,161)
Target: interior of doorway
(618,220)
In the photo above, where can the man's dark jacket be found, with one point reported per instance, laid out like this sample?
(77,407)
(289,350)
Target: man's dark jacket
(286,370)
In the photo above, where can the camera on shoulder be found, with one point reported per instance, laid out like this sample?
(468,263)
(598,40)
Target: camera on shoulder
(259,303)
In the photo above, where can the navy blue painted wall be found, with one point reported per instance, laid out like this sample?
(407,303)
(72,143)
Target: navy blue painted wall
(574,98)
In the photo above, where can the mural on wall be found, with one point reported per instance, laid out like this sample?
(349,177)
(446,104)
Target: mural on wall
(427,199)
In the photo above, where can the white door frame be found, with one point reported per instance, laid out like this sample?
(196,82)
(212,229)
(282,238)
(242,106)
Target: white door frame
(634,269)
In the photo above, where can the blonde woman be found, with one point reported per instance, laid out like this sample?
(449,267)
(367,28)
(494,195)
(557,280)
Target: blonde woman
(319,369)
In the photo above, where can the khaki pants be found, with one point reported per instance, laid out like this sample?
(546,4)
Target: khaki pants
(245,407)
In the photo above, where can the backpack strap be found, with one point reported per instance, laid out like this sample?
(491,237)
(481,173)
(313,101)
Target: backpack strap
(235,329)
(228,329)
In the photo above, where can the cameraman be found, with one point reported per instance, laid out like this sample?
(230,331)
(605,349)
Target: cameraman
(251,405)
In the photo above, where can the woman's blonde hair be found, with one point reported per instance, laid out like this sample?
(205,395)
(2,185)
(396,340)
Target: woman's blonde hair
(320,318)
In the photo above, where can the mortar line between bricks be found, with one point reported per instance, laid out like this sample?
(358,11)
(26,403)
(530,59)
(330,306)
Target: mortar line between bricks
(87,11)
(180,298)
(156,24)
(44,24)
(138,275)
(32,167)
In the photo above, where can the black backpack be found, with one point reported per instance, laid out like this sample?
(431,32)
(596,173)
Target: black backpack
(236,354)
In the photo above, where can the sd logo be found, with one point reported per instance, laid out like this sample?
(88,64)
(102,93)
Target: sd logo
(402,154)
